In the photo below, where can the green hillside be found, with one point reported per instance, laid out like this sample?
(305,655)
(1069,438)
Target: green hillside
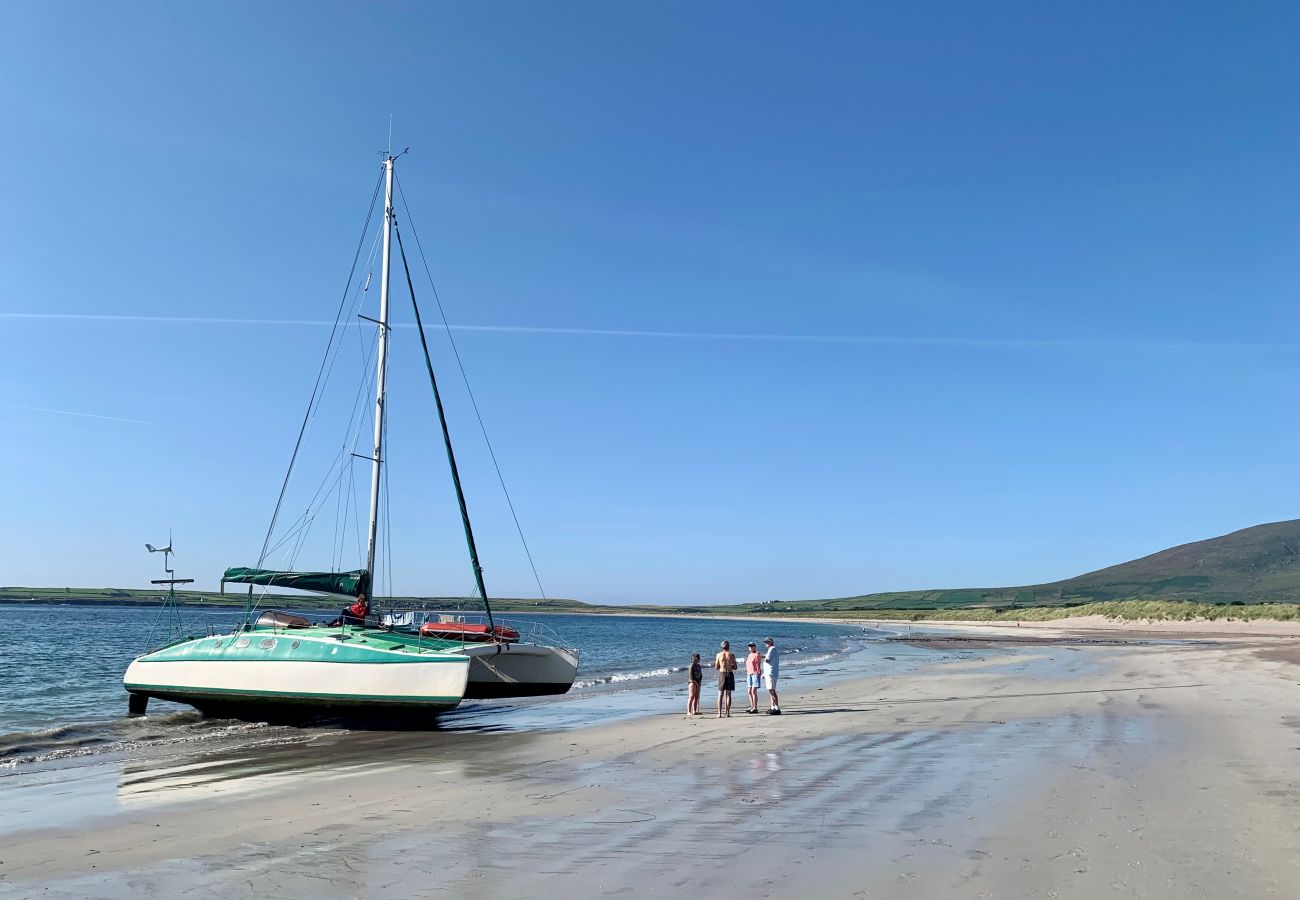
(1254,565)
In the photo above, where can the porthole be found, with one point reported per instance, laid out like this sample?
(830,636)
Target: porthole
(242,643)
(216,645)
(266,643)
(295,645)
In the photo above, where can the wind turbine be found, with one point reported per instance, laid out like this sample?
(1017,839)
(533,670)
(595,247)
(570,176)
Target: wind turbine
(167,563)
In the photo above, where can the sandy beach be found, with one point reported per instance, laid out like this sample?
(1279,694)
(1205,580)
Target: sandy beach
(1010,769)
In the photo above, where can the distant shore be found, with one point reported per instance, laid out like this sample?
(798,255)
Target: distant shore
(1129,617)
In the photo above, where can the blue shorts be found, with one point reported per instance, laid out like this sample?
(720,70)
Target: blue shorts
(754,681)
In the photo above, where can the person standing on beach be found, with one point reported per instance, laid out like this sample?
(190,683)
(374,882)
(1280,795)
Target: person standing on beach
(725,663)
(694,679)
(772,669)
(753,666)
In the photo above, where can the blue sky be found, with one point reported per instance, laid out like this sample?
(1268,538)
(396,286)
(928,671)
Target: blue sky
(768,302)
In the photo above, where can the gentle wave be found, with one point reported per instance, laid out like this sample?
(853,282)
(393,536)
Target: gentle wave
(620,677)
(787,654)
(820,658)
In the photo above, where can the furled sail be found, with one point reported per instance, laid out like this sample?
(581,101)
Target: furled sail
(354,584)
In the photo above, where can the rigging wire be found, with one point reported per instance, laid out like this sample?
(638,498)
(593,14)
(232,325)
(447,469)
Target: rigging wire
(446,436)
(352,437)
(336,546)
(320,375)
(332,481)
(344,457)
(465,377)
(332,351)
(329,484)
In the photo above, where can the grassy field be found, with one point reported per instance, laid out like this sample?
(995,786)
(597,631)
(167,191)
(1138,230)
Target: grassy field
(1128,610)
(236,599)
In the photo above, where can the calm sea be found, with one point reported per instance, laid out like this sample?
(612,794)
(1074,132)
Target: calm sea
(62,671)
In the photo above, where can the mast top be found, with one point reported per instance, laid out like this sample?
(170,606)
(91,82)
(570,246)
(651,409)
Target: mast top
(376,465)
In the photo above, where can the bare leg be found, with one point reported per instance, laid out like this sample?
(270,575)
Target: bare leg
(728,704)
(776,702)
(720,693)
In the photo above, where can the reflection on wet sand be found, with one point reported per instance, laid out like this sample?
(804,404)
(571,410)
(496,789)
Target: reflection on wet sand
(318,758)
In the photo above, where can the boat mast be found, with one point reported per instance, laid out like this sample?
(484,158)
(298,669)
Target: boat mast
(381,377)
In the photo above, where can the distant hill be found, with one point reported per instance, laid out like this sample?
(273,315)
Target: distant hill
(1254,565)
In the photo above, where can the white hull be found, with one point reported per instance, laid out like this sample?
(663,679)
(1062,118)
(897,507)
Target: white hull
(435,685)
(519,670)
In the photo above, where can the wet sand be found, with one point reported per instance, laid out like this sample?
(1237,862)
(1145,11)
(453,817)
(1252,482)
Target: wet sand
(1023,770)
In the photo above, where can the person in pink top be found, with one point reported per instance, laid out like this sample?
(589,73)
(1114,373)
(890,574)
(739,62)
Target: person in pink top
(753,676)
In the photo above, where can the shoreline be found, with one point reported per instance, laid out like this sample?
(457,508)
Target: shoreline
(1015,770)
(1284,627)
(1078,626)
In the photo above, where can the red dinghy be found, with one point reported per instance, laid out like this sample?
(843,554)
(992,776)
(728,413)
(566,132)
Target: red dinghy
(466,631)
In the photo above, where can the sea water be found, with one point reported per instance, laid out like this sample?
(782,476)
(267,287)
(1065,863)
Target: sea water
(62,672)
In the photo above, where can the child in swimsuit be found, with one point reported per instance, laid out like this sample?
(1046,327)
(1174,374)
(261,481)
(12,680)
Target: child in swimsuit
(694,678)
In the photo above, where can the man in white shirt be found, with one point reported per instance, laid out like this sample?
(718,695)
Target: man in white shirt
(771,671)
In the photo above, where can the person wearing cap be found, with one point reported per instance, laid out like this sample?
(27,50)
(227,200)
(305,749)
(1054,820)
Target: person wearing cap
(753,668)
(771,671)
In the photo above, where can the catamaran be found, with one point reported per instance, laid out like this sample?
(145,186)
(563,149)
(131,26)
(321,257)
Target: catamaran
(278,665)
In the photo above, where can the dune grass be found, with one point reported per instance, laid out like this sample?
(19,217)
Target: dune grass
(1128,610)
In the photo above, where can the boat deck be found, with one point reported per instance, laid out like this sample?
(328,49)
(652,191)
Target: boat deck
(332,643)
(377,638)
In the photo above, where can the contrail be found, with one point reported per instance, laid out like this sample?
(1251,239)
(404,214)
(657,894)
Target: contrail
(71,412)
(859,339)
(885,339)
(172,320)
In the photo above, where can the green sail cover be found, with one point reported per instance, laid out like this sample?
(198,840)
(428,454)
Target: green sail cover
(350,583)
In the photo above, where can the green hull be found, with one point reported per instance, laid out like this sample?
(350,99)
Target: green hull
(273,673)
